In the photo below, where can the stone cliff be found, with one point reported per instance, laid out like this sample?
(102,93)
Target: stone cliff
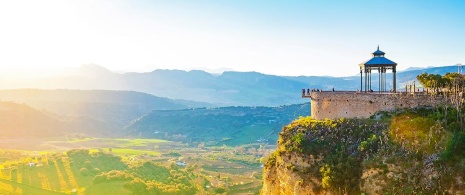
(414,152)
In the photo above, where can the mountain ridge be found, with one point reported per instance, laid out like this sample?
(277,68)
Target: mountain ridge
(231,88)
(113,107)
(23,120)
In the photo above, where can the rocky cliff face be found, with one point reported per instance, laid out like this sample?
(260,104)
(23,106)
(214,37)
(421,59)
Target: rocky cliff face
(409,153)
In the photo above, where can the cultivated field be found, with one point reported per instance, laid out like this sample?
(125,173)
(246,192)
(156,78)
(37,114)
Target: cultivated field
(53,166)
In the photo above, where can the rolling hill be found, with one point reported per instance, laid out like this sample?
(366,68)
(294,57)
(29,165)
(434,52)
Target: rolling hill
(116,108)
(217,126)
(25,121)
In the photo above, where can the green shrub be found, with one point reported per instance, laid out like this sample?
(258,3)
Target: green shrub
(220,190)
(271,161)
(84,171)
(173,153)
(113,175)
(137,186)
(341,173)
(455,148)
(418,133)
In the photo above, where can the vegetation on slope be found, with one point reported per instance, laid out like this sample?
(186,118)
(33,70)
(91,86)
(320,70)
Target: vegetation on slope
(23,120)
(116,108)
(131,166)
(217,126)
(412,151)
(75,170)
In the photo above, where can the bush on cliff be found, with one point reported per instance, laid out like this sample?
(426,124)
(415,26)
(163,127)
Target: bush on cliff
(338,141)
(413,146)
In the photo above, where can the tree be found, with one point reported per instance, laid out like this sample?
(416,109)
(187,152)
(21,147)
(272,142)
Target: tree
(455,84)
(239,150)
(453,79)
(432,81)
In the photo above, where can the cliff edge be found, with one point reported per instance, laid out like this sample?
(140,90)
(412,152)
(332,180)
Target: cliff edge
(419,151)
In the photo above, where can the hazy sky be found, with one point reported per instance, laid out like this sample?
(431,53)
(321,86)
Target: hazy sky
(273,37)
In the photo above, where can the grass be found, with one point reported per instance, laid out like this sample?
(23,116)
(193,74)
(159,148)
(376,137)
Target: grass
(93,151)
(10,187)
(90,143)
(140,142)
(115,187)
(127,151)
(418,133)
(109,142)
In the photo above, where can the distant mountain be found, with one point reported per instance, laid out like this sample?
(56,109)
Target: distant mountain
(226,89)
(23,120)
(117,108)
(218,126)
(414,68)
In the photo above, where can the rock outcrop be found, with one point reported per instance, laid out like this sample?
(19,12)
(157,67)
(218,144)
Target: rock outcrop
(409,153)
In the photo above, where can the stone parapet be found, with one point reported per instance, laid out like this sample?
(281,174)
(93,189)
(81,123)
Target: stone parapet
(335,105)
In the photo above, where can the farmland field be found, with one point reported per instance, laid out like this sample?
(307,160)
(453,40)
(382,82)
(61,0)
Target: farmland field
(121,166)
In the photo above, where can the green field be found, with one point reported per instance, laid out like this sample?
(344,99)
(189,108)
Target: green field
(122,166)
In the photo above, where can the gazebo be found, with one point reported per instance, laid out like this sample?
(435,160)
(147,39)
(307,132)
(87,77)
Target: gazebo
(381,64)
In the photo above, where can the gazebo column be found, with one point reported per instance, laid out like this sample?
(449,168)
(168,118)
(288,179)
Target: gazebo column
(368,80)
(361,85)
(382,79)
(369,73)
(365,79)
(394,78)
(379,79)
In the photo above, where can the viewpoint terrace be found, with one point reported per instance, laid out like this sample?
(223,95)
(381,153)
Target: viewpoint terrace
(365,102)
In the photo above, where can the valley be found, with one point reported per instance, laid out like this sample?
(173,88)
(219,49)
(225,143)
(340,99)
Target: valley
(107,165)
(56,148)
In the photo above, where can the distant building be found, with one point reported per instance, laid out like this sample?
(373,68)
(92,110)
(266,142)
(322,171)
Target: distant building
(183,164)
(262,140)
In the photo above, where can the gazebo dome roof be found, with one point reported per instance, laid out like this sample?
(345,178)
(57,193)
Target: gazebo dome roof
(378,52)
(379,60)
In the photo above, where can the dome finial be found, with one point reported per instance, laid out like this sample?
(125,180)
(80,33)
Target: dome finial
(378,46)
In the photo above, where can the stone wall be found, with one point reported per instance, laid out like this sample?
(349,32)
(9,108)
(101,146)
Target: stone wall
(334,105)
